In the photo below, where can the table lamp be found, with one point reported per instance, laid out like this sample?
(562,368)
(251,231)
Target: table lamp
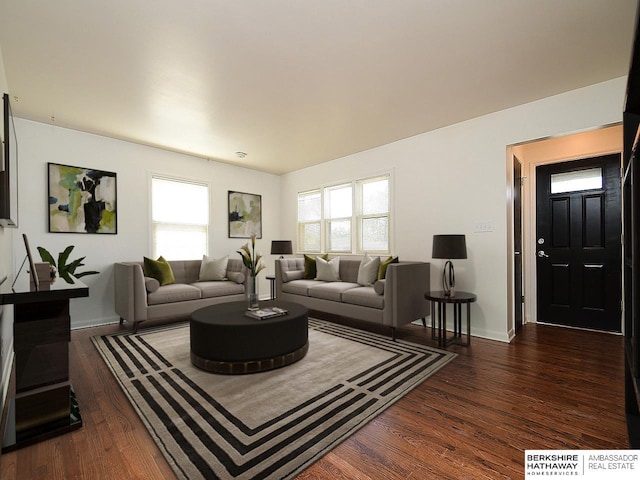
(449,247)
(281,247)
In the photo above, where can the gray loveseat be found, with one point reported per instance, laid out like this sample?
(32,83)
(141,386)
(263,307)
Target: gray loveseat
(138,298)
(394,301)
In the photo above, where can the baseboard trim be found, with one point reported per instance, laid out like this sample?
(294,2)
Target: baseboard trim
(505,337)
(95,322)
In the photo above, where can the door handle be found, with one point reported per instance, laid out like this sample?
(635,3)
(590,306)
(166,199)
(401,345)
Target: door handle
(541,254)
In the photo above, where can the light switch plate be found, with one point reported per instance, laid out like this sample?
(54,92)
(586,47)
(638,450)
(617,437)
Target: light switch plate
(482,227)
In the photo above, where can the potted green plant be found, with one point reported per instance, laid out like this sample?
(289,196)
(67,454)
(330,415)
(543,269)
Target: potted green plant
(65,270)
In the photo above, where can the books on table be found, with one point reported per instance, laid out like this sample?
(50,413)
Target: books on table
(264,313)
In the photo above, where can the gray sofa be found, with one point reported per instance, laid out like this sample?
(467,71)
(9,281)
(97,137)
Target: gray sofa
(394,301)
(138,298)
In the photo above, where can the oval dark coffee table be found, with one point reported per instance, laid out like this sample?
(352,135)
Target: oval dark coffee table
(225,340)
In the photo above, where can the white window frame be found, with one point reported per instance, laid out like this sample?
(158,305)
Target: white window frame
(356,218)
(302,225)
(328,219)
(154,224)
(361,216)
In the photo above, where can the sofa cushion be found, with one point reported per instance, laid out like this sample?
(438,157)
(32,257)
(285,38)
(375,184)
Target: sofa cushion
(292,275)
(186,271)
(382,271)
(378,287)
(300,287)
(177,292)
(368,271)
(237,277)
(151,284)
(328,271)
(364,296)
(213,269)
(331,290)
(219,289)
(159,269)
(310,271)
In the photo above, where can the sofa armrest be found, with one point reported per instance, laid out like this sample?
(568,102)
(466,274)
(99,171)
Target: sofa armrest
(406,284)
(130,291)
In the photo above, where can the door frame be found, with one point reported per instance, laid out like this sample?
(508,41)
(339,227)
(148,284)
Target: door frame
(587,143)
(610,166)
(531,310)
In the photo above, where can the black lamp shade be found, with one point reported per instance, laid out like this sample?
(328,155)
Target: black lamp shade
(281,247)
(449,246)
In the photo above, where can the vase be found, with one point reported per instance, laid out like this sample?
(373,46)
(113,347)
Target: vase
(252,293)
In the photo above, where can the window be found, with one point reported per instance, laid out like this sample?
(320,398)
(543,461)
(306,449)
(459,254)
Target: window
(309,217)
(373,221)
(180,218)
(576,180)
(350,218)
(338,205)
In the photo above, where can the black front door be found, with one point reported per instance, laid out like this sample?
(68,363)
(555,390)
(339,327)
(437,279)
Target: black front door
(578,243)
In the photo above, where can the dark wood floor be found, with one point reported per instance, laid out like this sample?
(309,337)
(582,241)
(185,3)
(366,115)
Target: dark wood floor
(551,388)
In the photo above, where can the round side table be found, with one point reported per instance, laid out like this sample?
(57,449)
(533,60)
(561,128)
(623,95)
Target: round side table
(442,299)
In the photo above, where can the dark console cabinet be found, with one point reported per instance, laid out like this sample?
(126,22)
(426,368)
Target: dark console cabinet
(44,404)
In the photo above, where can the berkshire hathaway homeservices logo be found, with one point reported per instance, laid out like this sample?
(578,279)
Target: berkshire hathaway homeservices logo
(583,464)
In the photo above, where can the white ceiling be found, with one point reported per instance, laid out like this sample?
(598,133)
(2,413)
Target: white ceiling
(297,82)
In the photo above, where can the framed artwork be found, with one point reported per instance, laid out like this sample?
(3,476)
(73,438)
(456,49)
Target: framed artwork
(245,215)
(81,200)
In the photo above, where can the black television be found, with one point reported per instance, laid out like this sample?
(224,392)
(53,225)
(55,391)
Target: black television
(9,169)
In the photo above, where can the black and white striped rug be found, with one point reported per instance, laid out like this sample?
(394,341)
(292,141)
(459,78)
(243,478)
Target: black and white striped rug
(266,425)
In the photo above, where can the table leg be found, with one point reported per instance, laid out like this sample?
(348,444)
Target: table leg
(468,324)
(455,321)
(443,327)
(433,320)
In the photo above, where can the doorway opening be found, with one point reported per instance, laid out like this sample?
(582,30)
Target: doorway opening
(603,141)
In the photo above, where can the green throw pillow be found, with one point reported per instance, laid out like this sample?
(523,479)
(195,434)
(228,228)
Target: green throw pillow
(382,271)
(310,269)
(160,270)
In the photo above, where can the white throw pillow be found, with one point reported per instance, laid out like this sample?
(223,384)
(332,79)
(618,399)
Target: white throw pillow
(329,271)
(368,271)
(213,269)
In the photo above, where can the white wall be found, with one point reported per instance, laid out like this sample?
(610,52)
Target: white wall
(444,182)
(41,143)
(447,180)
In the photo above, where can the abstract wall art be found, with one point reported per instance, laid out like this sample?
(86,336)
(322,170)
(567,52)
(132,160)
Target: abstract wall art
(245,215)
(82,200)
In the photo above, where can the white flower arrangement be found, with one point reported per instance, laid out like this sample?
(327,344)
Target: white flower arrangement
(251,259)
